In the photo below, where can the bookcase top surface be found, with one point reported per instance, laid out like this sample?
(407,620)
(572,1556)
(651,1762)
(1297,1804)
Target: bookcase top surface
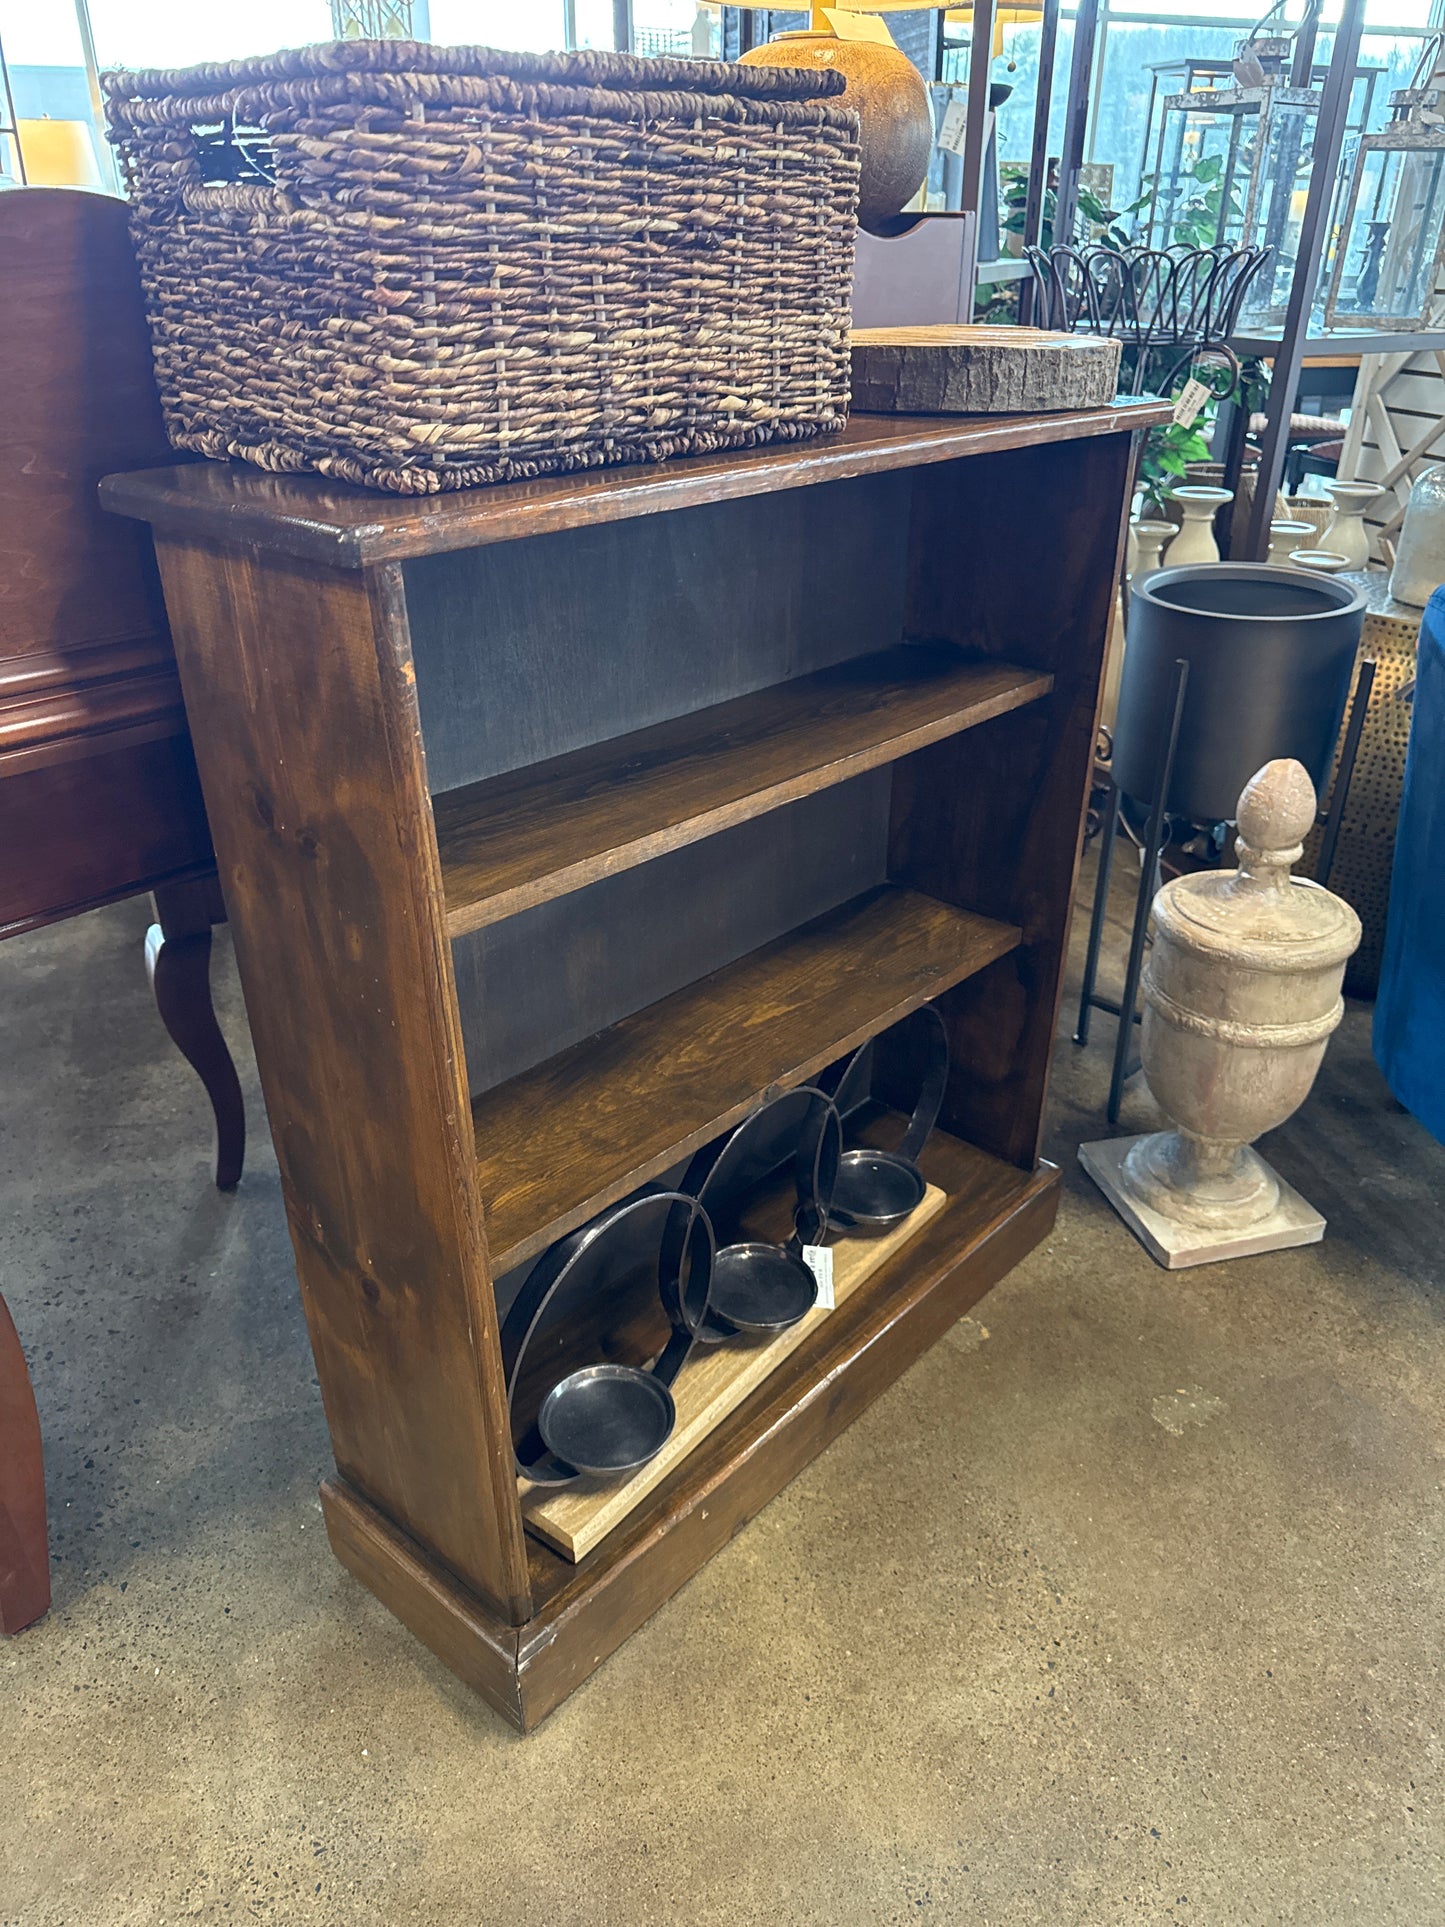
(352,528)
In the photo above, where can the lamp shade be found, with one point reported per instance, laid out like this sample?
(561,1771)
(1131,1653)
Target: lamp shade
(58,153)
(1026,15)
(1019,13)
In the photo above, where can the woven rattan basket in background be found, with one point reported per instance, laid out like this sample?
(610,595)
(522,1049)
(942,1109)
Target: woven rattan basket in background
(421,267)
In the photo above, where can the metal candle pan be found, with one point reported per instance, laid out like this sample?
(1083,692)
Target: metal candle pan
(603,1418)
(757,1287)
(875,1189)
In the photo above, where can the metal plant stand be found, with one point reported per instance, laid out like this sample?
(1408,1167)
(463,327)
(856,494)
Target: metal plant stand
(1154,844)
(1156,841)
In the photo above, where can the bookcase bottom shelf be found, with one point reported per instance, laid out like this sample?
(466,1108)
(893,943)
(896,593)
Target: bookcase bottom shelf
(715,1380)
(581,1613)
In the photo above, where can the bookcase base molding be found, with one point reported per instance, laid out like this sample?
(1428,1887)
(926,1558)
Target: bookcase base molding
(591,1608)
(563,824)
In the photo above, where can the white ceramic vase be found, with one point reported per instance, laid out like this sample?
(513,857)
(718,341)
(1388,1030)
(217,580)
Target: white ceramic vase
(1195,541)
(1320,561)
(1313,509)
(1284,538)
(1345,532)
(1150,538)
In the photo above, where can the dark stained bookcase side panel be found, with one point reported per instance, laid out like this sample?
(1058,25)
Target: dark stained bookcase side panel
(297,686)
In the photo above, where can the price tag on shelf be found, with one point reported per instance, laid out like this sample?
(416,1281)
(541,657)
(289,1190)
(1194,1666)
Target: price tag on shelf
(955,120)
(1192,398)
(819,1260)
(858,26)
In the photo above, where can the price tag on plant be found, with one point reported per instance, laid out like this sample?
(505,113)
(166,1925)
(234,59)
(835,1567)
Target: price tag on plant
(1192,398)
(819,1260)
(955,121)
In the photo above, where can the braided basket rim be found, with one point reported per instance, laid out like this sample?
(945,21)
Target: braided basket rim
(616,73)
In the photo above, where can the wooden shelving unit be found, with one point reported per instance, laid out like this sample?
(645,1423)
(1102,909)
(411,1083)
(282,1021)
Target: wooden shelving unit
(561,822)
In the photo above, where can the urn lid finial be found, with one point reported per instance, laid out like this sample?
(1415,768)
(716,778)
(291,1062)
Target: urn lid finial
(1258,916)
(1276,814)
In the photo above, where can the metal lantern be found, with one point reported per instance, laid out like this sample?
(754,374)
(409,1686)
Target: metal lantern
(1391,244)
(378,20)
(1237,176)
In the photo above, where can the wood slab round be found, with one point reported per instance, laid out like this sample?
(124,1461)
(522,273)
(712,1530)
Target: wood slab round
(953,368)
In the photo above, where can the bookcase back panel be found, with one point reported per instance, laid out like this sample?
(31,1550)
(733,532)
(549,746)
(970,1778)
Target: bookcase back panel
(532,985)
(527,649)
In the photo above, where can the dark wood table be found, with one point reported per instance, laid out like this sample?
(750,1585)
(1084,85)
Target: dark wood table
(99,797)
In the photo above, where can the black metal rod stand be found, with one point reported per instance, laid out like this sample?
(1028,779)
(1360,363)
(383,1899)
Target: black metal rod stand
(1089,999)
(1089,1002)
(1334,817)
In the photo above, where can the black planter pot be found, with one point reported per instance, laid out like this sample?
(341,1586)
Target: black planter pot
(1271,656)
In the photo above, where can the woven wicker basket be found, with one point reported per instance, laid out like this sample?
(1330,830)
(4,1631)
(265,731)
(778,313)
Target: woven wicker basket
(421,267)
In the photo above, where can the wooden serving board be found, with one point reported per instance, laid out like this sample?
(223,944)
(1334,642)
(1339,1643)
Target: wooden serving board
(956,368)
(714,1382)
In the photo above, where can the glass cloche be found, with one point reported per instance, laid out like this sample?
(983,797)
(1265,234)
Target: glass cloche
(1420,555)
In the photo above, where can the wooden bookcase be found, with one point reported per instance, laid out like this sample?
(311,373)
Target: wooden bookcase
(558,824)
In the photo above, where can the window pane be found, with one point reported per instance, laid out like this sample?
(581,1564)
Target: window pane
(677,29)
(46,63)
(177,33)
(524,26)
(1131,52)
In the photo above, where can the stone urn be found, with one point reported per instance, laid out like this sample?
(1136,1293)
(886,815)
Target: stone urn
(1241,995)
(892,104)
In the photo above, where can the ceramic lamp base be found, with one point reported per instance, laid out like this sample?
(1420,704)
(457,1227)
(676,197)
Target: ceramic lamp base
(1176,1246)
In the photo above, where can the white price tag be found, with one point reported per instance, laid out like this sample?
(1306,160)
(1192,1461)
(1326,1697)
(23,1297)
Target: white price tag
(847,25)
(955,121)
(1192,398)
(819,1260)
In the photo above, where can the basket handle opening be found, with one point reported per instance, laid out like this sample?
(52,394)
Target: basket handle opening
(233,166)
(230,152)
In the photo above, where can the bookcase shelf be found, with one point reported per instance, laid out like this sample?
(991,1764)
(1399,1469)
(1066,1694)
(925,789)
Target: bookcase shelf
(520,839)
(559,1142)
(696,836)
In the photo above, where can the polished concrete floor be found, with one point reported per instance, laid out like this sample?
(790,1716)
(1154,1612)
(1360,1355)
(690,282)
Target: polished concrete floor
(1126,1605)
